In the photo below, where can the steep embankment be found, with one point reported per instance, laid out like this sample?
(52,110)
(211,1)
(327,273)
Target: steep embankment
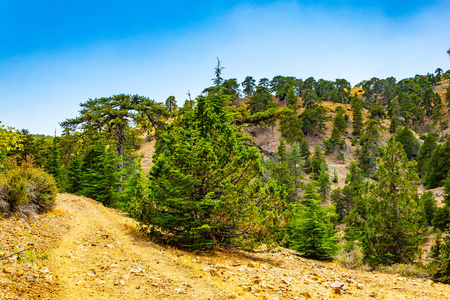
(97,253)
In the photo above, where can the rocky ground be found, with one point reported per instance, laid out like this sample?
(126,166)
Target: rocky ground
(83,250)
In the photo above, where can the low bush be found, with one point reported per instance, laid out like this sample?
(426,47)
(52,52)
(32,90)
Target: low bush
(25,189)
(351,257)
(407,270)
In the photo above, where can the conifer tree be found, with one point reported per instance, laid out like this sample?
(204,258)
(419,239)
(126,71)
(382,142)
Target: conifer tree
(409,142)
(305,154)
(345,198)
(393,126)
(291,127)
(323,181)
(425,152)
(249,85)
(74,174)
(310,100)
(377,113)
(291,98)
(136,188)
(339,130)
(357,116)
(295,162)
(171,105)
(205,187)
(317,159)
(313,118)
(429,205)
(54,164)
(284,170)
(370,147)
(391,227)
(260,100)
(99,173)
(311,230)
(438,165)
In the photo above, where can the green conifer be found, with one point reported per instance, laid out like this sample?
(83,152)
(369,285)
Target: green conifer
(390,222)
(311,230)
(205,187)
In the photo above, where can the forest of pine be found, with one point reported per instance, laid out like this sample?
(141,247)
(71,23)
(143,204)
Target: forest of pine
(213,184)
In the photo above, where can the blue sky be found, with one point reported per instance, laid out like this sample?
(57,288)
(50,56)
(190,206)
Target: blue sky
(56,54)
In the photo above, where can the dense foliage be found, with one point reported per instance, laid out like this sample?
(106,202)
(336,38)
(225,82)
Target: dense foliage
(205,187)
(389,221)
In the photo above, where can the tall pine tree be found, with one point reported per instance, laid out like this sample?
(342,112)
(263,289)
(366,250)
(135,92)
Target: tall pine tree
(391,225)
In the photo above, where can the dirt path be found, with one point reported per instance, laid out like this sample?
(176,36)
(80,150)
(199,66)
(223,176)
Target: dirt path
(102,256)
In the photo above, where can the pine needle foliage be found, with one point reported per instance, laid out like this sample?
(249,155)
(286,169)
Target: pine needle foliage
(205,188)
(99,176)
(388,217)
(311,229)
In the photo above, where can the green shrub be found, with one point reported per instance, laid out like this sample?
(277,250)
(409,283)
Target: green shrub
(26,189)
(17,194)
(42,189)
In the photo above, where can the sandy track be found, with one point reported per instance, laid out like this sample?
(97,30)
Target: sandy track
(103,256)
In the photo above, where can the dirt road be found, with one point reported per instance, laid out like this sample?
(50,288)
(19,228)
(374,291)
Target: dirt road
(103,256)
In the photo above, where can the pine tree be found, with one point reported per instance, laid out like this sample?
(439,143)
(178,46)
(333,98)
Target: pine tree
(249,86)
(310,100)
(438,165)
(393,126)
(99,174)
(74,174)
(409,142)
(429,206)
(370,147)
(171,105)
(317,159)
(425,152)
(391,224)
(260,100)
(305,154)
(339,130)
(323,181)
(284,170)
(357,116)
(291,127)
(311,230)
(53,165)
(291,98)
(205,187)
